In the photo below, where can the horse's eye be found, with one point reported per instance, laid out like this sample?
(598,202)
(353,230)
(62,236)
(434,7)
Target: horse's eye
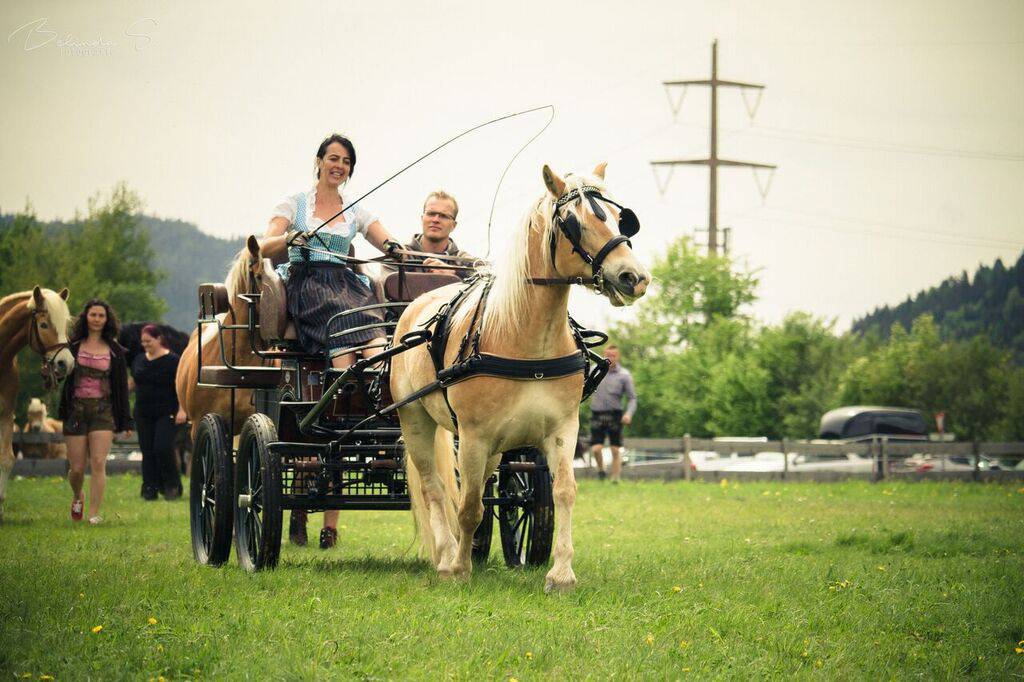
(43,325)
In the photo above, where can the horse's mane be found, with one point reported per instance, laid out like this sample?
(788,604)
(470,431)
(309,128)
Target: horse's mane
(55,306)
(237,280)
(11,300)
(507,300)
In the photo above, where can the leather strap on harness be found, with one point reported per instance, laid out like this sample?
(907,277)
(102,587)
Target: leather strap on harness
(485,364)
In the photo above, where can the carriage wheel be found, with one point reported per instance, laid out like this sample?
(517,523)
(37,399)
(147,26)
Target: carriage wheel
(257,496)
(484,532)
(526,527)
(210,486)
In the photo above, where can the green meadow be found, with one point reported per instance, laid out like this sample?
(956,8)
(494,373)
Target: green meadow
(835,580)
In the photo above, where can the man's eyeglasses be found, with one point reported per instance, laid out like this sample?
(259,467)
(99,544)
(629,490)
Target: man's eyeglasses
(438,214)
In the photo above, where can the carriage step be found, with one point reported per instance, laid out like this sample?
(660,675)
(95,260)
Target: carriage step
(240,377)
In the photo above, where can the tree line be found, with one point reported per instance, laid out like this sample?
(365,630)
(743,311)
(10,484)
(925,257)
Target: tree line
(991,304)
(703,366)
(101,254)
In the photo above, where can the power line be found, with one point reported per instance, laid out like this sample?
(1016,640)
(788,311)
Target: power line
(864,143)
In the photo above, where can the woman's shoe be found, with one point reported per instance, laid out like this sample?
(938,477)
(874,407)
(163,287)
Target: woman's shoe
(328,538)
(77,507)
(95,520)
(297,528)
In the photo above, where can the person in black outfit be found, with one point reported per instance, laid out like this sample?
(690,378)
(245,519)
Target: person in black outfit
(156,406)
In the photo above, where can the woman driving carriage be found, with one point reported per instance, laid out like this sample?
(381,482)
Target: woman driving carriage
(321,285)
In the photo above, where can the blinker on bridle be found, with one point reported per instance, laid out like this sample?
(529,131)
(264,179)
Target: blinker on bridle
(629,226)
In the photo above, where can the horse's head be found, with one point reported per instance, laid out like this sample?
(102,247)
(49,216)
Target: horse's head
(48,335)
(589,237)
(246,274)
(36,414)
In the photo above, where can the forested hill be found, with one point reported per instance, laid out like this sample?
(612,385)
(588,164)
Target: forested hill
(184,255)
(989,303)
(187,257)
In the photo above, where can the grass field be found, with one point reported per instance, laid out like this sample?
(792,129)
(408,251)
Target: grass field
(850,580)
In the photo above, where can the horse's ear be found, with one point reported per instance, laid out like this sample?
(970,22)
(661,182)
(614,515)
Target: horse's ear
(63,293)
(37,298)
(253,245)
(554,183)
(599,169)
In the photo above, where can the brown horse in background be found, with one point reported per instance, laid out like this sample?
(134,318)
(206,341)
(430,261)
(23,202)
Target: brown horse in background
(39,319)
(199,400)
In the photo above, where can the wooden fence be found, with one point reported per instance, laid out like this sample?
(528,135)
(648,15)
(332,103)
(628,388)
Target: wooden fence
(684,458)
(879,459)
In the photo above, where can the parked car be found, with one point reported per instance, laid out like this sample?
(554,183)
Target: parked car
(859,423)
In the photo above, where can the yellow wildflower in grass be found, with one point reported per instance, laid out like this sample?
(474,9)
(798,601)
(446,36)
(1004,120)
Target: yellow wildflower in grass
(81,595)
(683,644)
(45,678)
(97,630)
(529,655)
(650,639)
(152,620)
(880,568)
(724,482)
(818,663)
(1020,490)
(513,679)
(677,588)
(805,654)
(1018,649)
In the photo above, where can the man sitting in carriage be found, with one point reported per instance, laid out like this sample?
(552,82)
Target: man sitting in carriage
(440,216)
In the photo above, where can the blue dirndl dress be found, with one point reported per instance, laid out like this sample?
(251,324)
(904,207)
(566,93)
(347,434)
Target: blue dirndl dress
(320,286)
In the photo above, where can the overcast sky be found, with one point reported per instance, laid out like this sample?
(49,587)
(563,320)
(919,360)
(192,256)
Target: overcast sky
(898,128)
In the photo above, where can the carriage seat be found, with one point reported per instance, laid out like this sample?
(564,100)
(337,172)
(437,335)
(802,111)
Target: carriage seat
(404,287)
(241,377)
(213,300)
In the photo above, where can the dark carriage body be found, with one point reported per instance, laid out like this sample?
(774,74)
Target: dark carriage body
(323,438)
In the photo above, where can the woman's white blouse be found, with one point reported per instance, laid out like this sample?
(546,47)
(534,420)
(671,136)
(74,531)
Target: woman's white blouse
(357,217)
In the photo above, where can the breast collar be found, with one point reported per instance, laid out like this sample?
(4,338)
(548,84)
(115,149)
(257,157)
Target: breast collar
(471,362)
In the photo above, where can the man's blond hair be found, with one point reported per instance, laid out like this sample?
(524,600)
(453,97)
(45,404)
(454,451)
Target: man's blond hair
(441,194)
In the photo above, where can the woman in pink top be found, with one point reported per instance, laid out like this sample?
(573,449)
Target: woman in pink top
(94,403)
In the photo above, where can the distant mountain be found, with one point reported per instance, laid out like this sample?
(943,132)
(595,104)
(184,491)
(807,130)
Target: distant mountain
(187,257)
(991,303)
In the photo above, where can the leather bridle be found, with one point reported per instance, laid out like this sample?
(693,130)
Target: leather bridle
(48,353)
(569,226)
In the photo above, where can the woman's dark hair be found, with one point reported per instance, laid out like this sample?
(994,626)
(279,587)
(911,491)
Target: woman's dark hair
(81,328)
(153,331)
(344,142)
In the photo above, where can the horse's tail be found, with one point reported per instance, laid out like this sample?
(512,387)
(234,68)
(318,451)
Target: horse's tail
(444,462)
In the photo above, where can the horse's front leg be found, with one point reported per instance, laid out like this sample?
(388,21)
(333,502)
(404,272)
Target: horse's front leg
(6,457)
(473,458)
(559,450)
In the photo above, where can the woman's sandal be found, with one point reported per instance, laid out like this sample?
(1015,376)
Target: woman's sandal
(77,509)
(95,520)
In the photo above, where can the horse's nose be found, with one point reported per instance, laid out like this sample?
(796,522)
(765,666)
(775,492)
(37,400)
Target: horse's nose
(628,280)
(640,286)
(62,366)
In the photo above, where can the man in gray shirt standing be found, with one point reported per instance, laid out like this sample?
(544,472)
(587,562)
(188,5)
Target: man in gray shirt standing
(607,416)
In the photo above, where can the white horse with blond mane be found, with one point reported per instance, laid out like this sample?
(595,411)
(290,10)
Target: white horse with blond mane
(523,320)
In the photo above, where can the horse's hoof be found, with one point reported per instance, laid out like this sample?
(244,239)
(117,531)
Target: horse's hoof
(559,586)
